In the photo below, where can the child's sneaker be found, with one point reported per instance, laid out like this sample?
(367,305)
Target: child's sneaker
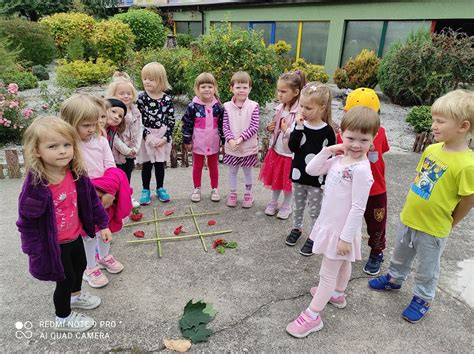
(111,264)
(86,301)
(284,212)
(293,237)
(75,322)
(95,278)
(145,198)
(417,309)
(271,208)
(383,283)
(304,325)
(232,199)
(248,201)
(162,195)
(339,302)
(196,196)
(372,267)
(307,249)
(215,196)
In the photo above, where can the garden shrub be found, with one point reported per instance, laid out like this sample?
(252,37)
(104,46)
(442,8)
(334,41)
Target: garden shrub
(313,72)
(281,47)
(426,66)
(64,27)
(225,50)
(113,40)
(81,73)
(175,61)
(358,72)
(75,49)
(40,72)
(14,115)
(184,40)
(8,56)
(36,42)
(53,97)
(22,77)
(419,118)
(147,26)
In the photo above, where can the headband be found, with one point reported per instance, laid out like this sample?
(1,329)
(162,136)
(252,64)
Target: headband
(114,102)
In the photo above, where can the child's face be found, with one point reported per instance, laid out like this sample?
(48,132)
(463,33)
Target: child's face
(445,129)
(206,92)
(241,90)
(55,150)
(356,144)
(124,93)
(285,93)
(114,116)
(311,111)
(150,84)
(87,129)
(102,118)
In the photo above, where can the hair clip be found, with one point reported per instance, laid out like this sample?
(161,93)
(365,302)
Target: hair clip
(312,88)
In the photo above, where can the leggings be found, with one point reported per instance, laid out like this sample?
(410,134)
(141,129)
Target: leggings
(333,275)
(74,264)
(233,171)
(90,249)
(127,167)
(159,174)
(198,164)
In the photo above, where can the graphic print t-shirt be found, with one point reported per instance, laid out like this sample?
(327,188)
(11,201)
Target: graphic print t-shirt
(443,178)
(65,207)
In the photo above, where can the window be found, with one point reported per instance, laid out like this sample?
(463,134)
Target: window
(268,29)
(361,35)
(314,42)
(191,27)
(400,30)
(288,32)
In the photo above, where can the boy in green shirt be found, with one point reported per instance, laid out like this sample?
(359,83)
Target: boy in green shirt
(439,198)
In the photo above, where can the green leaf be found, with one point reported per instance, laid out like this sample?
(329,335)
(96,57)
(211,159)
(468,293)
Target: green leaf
(230,244)
(210,310)
(197,334)
(220,249)
(193,315)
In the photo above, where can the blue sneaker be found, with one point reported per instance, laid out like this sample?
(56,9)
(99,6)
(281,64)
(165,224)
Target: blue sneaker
(372,267)
(162,195)
(383,283)
(145,198)
(417,309)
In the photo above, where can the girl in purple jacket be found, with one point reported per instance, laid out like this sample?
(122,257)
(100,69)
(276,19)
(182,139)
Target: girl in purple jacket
(57,204)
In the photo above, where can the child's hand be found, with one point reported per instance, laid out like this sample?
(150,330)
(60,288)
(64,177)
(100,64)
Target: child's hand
(106,235)
(271,127)
(232,144)
(238,142)
(336,149)
(132,153)
(343,248)
(162,142)
(283,125)
(107,200)
(299,119)
(188,147)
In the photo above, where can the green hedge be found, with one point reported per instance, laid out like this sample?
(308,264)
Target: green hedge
(81,73)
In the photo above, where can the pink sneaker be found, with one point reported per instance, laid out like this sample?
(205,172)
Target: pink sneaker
(248,201)
(304,325)
(232,199)
(271,208)
(284,212)
(339,302)
(111,264)
(95,278)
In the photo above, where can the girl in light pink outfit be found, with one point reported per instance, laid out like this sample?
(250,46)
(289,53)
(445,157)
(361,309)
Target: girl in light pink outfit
(202,133)
(337,231)
(276,168)
(241,121)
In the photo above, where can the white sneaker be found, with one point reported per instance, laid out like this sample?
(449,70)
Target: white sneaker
(75,322)
(135,204)
(196,196)
(86,301)
(215,197)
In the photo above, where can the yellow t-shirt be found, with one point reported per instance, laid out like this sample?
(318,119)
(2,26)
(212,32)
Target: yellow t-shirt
(443,178)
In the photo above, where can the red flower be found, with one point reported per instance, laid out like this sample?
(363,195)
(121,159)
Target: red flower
(218,242)
(178,230)
(139,234)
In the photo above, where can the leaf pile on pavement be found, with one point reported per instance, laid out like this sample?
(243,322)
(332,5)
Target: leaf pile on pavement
(221,244)
(178,345)
(195,318)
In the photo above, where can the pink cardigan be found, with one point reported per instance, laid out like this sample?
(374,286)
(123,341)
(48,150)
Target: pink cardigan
(289,121)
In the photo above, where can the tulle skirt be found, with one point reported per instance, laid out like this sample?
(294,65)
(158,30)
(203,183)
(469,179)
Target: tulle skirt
(275,172)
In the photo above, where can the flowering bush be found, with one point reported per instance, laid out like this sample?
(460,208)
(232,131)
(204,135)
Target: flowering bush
(14,115)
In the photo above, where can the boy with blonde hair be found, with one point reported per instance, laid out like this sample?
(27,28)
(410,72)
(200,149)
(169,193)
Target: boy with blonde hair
(439,198)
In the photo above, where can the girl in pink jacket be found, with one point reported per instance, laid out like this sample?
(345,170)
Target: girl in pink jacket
(202,133)
(276,167)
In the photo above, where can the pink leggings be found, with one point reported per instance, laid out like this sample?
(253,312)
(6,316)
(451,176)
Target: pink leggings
(333,275)
(198,164)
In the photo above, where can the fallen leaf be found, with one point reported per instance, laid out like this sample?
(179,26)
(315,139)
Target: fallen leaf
(209,309)
(230,244)
(168,212)
(193,315)
(220,249)
(212,222)
(178,345)
(139,234)
(197,334)
(178,230)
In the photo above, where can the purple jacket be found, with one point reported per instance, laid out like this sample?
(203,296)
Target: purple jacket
(37,225)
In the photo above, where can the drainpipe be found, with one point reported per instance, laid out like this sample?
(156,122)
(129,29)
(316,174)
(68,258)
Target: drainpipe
(203,26)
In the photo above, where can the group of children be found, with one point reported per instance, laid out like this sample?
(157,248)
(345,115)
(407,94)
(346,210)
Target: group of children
(77,191)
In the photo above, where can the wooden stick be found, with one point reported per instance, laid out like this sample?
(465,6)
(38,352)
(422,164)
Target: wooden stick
(157,231)
(170,218)
(198,229)
(171,238)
